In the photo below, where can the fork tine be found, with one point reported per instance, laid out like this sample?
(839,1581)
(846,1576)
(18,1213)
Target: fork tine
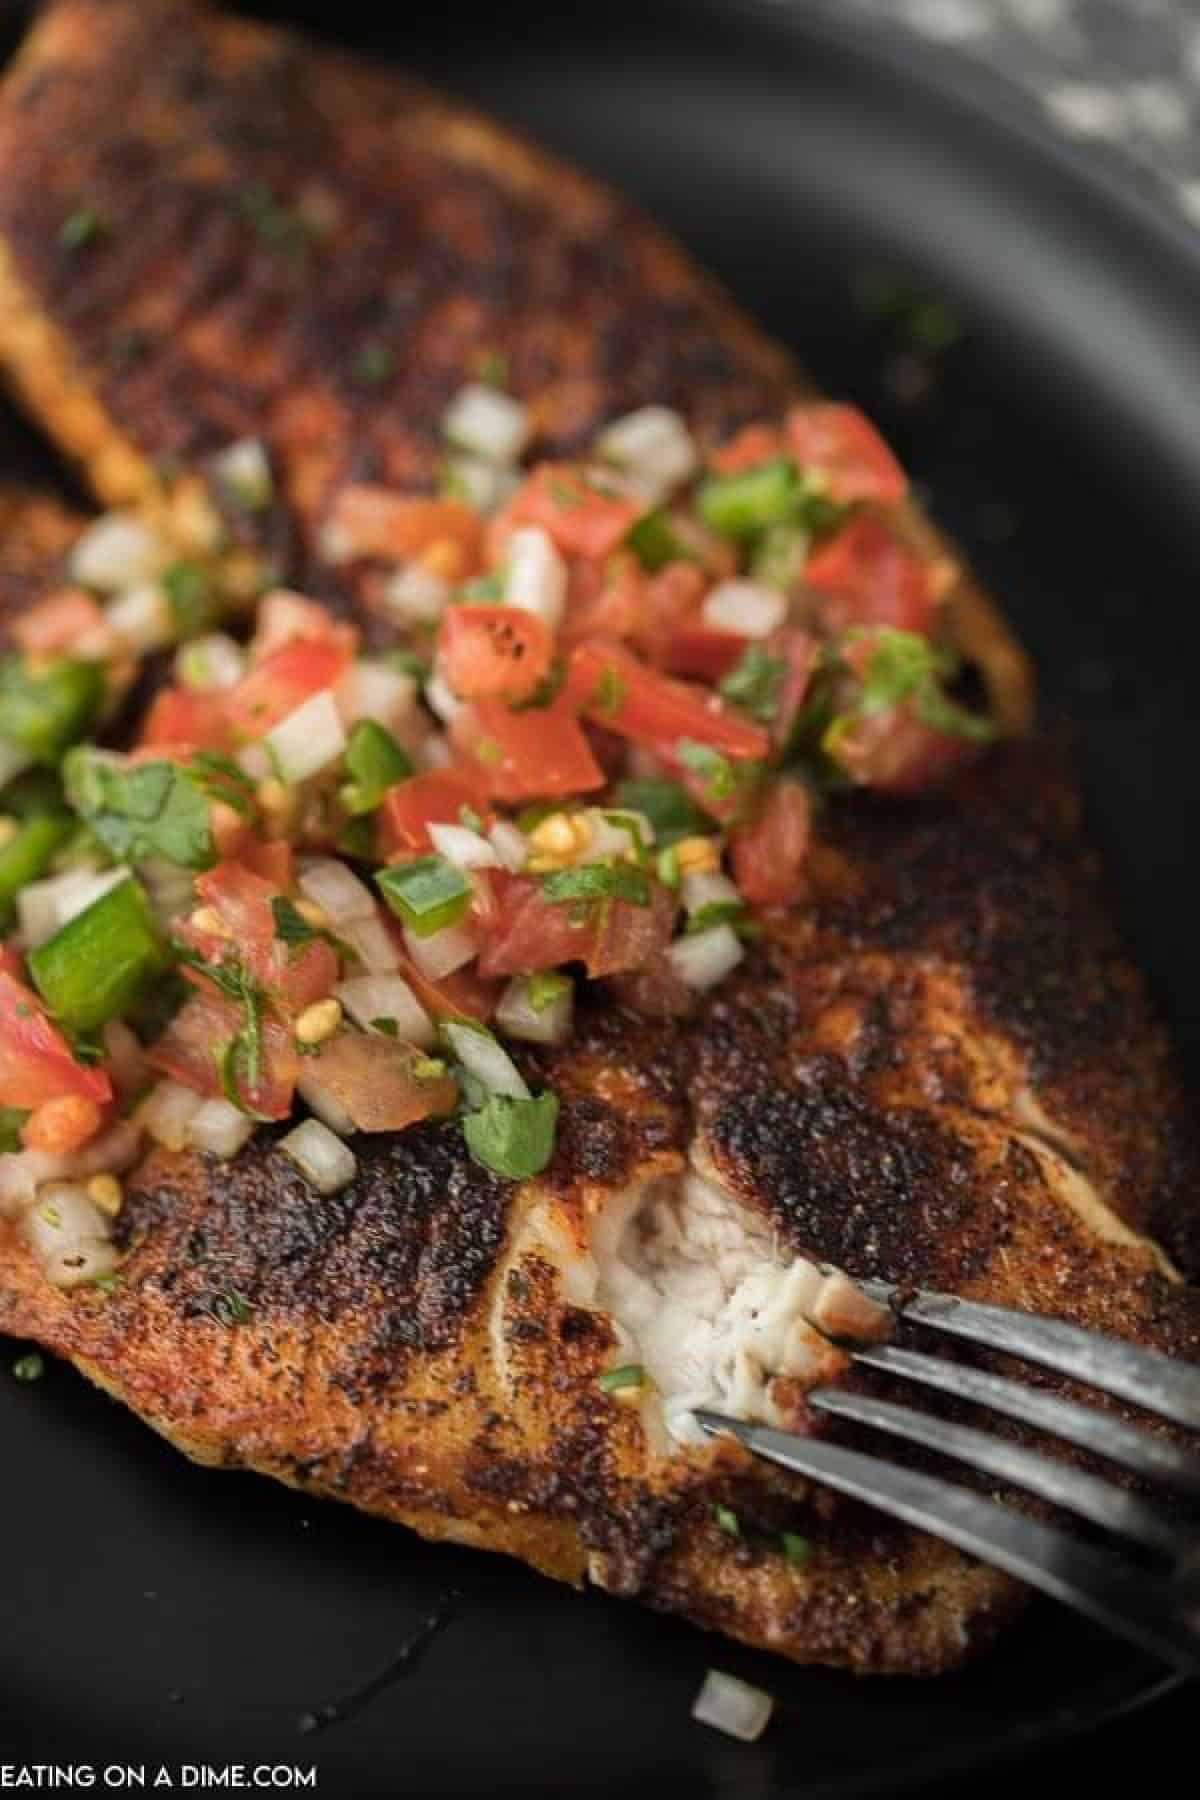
(1079,1492)
(1145,1609)
(1155,1458)
(1145,1377)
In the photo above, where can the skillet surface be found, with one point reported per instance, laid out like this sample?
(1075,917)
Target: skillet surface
(156,1613)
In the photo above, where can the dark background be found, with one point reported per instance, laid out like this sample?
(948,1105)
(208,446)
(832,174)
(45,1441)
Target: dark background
(1022,321)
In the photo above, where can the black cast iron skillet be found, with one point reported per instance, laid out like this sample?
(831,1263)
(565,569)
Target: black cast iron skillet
(156,1613)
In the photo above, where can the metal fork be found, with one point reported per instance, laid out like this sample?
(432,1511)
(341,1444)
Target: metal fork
(1155,1605)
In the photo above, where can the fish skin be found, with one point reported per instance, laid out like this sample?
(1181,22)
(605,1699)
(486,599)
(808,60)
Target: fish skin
(858,1081)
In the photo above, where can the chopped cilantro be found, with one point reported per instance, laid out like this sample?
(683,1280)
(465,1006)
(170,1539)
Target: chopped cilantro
(513,1138)
(755,683)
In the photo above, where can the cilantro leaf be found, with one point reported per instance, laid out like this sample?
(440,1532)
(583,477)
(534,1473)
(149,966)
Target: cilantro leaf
(755,683)
(151,809)
(513,1138)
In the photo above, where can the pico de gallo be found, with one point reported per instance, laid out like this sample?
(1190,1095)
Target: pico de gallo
(355,884)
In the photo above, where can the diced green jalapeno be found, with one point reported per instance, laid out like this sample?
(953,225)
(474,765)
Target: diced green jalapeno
(100,963)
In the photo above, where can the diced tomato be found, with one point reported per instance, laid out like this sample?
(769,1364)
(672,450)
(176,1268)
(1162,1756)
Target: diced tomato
(182,719)
(607,936)
(435,798)
(896,751)
(272,859)
(35,1060)
(376,1081)
(604,599)
(703,653)
(533,755)
(462,994)
(752,445)
(192,1048)
(69,621)
(617,690)
(579,516)
(293,975)
(283,617)
(871,578)
(379,522)
(799,651)
(768,853)
(283,681)
(61,1126)
(846,448)
(493,652)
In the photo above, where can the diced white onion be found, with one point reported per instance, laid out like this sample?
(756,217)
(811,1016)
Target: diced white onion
(118,551)
(616,832)
(485,1057)
(141,617)
(443,952)
(370,997)
(488,422)
(485,486)
(68,1235)
(517,1015)
(537,576)
(212,662)
(255,761)
(244,470)
(703,960)
(466,849)
(372,690)
(319,1100)
(749,608)
(654,445)
(309,739)
(733,1706)
(219,1127)
(13,761)
(320,1156)
(167,1113)
(372,943)
(22,1172)
(441,698)
(510,845)
(434,752)
(414,595)
(336,889)
(707,888)
(44,907)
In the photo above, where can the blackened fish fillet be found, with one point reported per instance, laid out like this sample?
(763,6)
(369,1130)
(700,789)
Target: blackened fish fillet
(942,1071)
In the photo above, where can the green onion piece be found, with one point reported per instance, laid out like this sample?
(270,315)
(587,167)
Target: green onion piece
(629,1375)
(30,1367)
(598,881)
(796,1549)
(715,770)
(12,1118)
(513,1138)
(376,762)
(100,962)
(544,987)
(742,505)
(727,1521)
(150,809)
(46,711)
(667,805)
(655,542)
(428,894)
(717,912)
(193,601)
(755,683)
(28,853)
